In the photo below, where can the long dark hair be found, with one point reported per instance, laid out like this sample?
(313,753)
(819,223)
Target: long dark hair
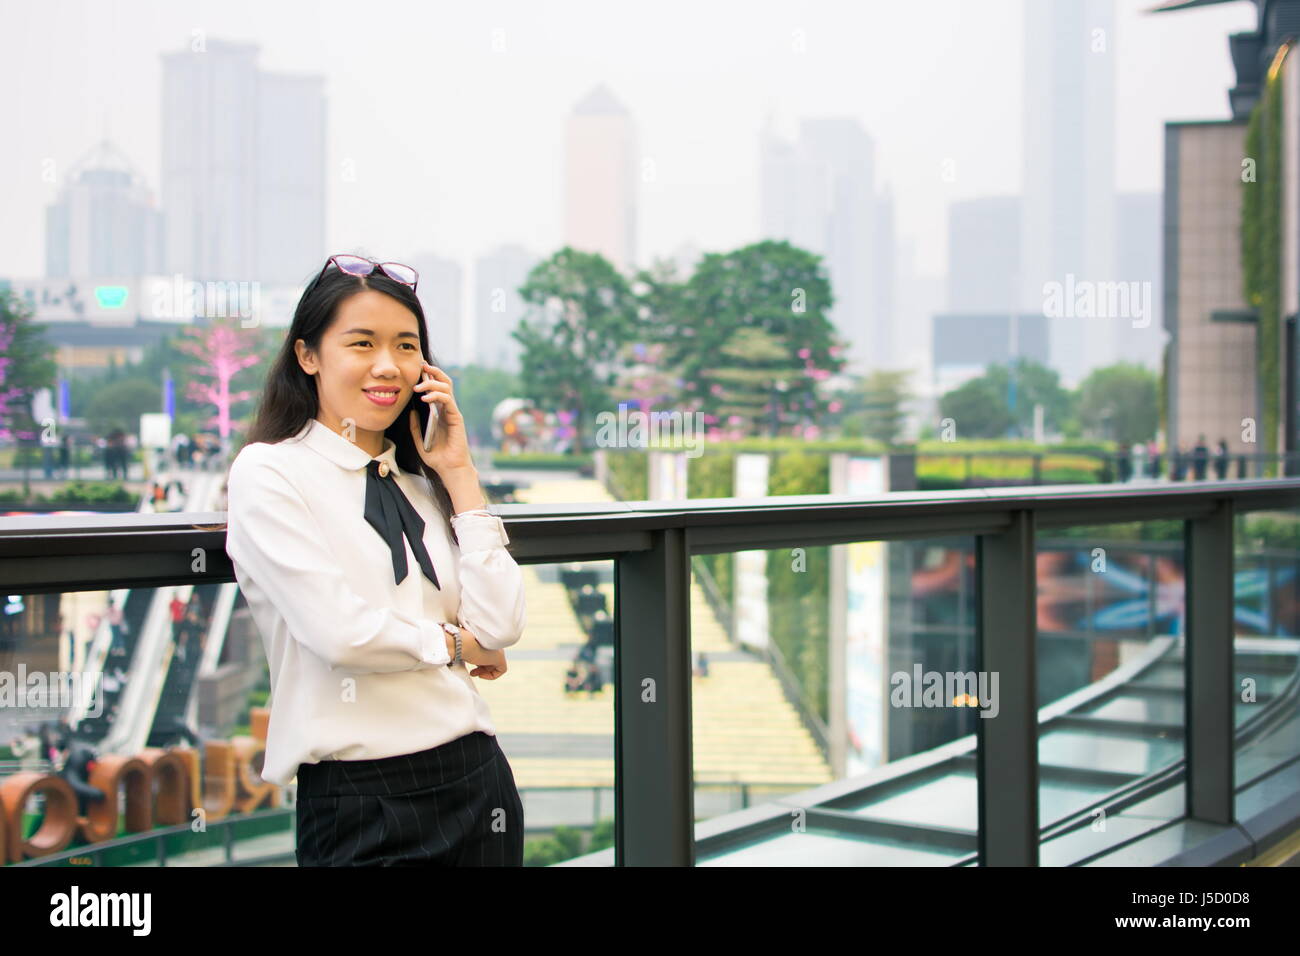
(289,400)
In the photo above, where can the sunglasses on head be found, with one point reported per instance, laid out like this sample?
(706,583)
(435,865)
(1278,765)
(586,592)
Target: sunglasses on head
(361,266)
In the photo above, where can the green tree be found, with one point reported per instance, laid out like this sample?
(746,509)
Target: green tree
(1034,384)
(661,302)
(877,405)
(1120,402)
(754,374)
(979,407)
(120,404)
(645,377)
(643,381)
(478,392)
(580,312)
(773,286)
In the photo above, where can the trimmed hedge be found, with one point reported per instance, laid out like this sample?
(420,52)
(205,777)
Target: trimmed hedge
(75,492)
(538,460)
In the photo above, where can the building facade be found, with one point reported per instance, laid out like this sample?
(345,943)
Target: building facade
(105,220)
(1232,195)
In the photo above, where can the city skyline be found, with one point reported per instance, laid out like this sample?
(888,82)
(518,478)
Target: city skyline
(707,171)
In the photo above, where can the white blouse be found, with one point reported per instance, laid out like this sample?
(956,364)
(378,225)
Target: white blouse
(358,662)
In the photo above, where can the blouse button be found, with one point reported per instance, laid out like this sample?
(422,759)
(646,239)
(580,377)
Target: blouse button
(383,469)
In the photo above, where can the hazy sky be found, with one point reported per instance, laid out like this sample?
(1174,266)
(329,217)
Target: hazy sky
(457,146)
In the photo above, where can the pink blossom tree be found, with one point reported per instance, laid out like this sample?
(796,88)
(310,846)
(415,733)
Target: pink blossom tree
(7,395)
(222,354)
(26,365)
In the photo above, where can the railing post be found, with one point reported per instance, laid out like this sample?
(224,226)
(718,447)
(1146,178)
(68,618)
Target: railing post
(654,793)
(1007,755)
(1210,682)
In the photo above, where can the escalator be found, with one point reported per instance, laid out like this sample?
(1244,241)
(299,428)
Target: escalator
(115,661)
(171,722)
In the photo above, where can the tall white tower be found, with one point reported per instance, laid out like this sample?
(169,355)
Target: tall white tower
(600,179)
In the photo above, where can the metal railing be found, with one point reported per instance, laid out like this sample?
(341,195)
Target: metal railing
(651,544)
(94,853)
(1113,466)
(738,794)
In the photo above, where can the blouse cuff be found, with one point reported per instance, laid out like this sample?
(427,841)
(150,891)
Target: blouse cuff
(434,644)
(479,531)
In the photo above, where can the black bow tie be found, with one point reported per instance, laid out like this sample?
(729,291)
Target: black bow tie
(391,514)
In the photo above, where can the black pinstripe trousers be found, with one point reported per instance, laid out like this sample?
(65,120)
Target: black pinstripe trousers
(453,805)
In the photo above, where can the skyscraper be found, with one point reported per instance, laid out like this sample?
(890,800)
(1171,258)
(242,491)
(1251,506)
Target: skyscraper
(819,194)
(984,255)
(243,155)
(1068,214)
(291,151)
(918,300)
(105,221)
(884,273)
(439,291)
(795,195)
(600,179)
(1137,254)
(966,344)
(498,306)
(209,168)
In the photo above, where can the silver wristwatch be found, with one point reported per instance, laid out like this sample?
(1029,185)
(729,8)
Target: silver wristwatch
(454,631)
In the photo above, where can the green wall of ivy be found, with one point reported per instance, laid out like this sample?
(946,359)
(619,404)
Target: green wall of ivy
(1261,250)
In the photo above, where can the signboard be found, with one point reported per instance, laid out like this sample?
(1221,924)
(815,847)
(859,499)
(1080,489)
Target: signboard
(749,601)
(866,638)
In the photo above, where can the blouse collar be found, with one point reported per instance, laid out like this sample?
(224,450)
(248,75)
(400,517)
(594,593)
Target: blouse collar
(336,448)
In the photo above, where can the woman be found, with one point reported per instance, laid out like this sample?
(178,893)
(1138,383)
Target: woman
(375,574)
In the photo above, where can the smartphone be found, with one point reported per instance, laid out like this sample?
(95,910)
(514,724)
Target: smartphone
(431,422)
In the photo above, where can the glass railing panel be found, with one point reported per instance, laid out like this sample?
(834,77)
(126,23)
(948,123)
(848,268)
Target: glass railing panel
(182,669)
(805,661)
(1266,645)
(554,711)
(827,846)
(1110,620)
(173,676)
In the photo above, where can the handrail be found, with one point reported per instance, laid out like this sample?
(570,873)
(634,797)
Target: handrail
(966,511)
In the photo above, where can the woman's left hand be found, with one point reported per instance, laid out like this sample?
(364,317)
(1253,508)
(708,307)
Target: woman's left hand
(450,449)
(488,671)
